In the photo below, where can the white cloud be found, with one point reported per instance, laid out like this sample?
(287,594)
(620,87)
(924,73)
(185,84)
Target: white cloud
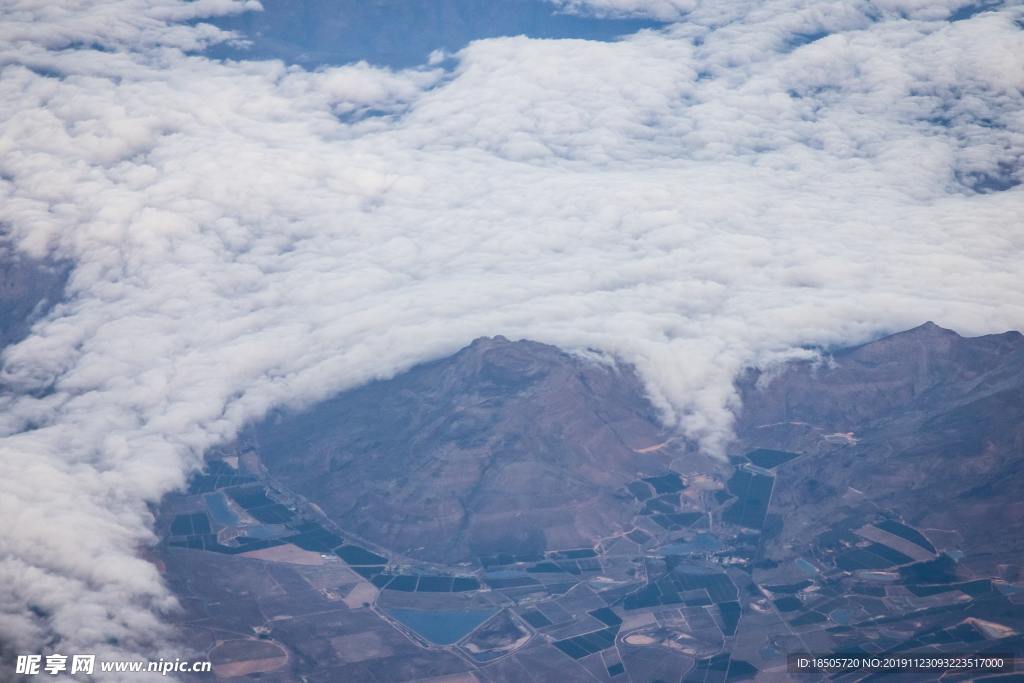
(61,24)
(664,10)
(693,200)
(712,13)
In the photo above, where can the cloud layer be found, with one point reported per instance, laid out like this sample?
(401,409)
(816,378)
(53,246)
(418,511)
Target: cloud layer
(753,179)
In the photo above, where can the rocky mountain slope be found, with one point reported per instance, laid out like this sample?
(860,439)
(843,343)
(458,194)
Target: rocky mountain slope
(926,423)
(515,512)
(520,447)
(505,446)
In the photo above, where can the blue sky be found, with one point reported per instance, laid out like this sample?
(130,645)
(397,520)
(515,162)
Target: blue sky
(400,34)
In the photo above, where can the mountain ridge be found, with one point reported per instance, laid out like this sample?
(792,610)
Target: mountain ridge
(520,446)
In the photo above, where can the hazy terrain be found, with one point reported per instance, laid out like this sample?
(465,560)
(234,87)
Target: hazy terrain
(514,512)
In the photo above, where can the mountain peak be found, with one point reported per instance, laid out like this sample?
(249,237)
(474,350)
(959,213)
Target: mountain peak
(505,446)
(926,330)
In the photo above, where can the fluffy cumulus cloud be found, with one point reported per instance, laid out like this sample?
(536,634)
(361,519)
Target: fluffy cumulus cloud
(752,179)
